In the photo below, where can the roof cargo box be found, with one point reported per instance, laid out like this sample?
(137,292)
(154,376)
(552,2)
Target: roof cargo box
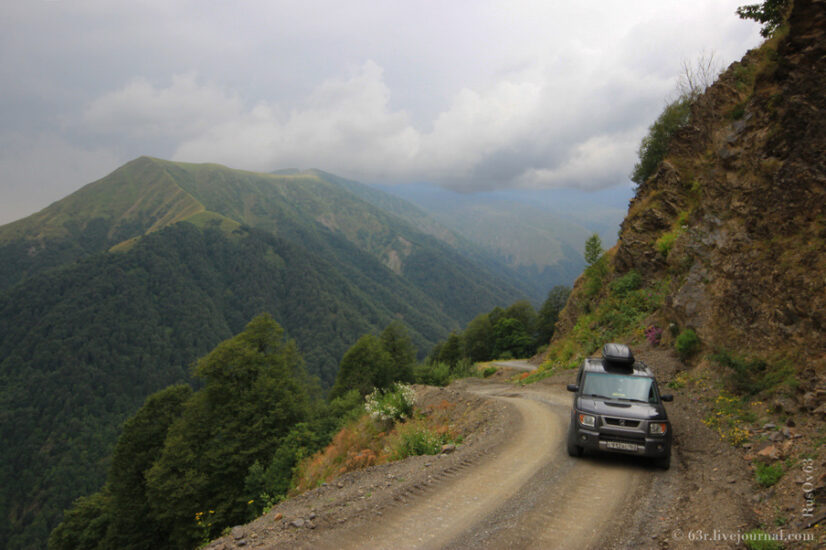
(617,354)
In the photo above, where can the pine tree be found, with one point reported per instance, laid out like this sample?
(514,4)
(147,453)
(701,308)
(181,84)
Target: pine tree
(593,249)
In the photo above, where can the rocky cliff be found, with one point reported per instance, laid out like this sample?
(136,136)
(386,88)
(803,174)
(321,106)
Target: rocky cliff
(734,219)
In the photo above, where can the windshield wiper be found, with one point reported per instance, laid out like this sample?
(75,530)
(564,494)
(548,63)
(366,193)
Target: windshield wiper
(630,399)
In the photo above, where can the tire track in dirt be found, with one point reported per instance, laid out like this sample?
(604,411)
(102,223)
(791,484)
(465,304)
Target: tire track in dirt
(523,491)
(569,503)
(442,513)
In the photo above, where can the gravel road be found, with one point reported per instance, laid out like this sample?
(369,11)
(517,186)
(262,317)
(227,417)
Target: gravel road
(512,485)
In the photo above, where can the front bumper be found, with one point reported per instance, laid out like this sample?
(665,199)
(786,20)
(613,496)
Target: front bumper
(636,443)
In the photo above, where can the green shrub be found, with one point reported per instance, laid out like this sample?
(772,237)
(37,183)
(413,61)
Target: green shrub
(488,372)
(752,376)
(415,441)
(391,405)
(655,145)
(432,374)
(628,282)
(768,474)
(687,344)
(594,277)
(757,539)
(738,111)
(666,241)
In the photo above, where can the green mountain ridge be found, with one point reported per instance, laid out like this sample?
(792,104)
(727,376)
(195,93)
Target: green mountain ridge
(543,246)
(109,295)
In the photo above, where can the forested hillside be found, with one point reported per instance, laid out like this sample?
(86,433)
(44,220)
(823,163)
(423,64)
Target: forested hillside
(112,293)
(540,240)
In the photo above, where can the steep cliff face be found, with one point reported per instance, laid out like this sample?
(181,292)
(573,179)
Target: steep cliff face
(734,219)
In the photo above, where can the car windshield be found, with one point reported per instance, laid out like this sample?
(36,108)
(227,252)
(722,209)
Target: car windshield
(619,386)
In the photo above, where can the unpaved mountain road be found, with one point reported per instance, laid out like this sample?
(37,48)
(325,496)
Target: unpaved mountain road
(511,484)
(528,494)
(516,364)
(514,487)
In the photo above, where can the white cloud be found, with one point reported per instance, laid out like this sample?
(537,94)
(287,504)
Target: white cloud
(597,162)
(468,94)
(183,109)
(344,125)
(535,132)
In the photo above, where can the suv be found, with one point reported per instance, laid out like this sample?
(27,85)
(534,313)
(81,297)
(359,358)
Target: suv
(618,408)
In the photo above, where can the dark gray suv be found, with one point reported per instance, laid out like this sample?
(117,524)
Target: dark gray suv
(618,408)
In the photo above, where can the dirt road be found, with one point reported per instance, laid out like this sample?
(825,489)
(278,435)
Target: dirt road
(515,487)
(529,494)
(516,364)
(511,484)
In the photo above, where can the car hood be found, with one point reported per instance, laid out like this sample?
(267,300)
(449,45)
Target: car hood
(623,409)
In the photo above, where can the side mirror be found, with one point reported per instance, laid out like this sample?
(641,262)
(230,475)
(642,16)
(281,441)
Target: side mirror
(667,397)
(573,387)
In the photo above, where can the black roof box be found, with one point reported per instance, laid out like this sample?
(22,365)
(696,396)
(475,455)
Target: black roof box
(617,354)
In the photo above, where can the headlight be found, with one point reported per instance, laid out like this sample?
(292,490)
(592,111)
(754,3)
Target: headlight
(657,428)
(587,420)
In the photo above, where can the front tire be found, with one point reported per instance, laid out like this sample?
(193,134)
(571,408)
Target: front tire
(574,450)
(664,463)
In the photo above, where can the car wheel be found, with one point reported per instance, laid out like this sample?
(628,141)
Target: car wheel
(663,462)
(573,449)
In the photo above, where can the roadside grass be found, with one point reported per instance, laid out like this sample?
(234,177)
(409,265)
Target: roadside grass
(752,376)
(612,310)
(768,474)
(758,539)
(368,441)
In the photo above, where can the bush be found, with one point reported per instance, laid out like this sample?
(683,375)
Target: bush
(768,474)
(757,539)
(655,145)
(687,344)
(432,374)
(666,242)
(628,282)
(488,372)
(463,369)
(391,405)
(415,440)
(594,277)
(751,376)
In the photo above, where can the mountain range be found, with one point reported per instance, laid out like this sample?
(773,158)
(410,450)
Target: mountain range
(111,293)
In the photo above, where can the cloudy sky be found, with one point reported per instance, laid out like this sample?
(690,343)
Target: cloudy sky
(470,95)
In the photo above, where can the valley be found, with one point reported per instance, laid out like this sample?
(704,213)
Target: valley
(193,355)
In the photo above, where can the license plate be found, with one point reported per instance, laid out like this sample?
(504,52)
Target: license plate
(620,446)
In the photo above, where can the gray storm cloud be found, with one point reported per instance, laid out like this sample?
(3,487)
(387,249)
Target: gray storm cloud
(468,95)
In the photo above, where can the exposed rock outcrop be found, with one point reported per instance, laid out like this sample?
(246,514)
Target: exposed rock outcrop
(743,190)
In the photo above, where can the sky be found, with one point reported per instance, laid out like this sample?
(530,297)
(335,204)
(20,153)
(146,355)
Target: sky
(470,95)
